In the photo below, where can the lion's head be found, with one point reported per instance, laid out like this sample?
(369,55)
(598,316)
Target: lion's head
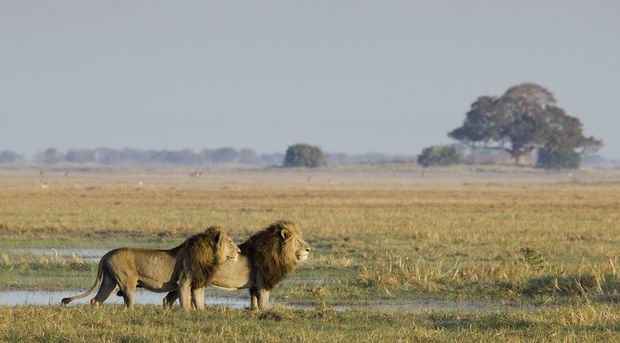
(208,250)
(227,250)
(292,243)
(276,251)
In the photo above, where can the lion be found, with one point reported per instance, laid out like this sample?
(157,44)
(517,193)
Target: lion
(187,268)
(266,259)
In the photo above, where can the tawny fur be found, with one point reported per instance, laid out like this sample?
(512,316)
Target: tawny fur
(195,260)
(266,258)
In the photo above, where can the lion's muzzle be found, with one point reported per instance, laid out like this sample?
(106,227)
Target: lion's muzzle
(303,255)
(234,257)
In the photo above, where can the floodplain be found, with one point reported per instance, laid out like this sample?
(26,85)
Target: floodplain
(400,253)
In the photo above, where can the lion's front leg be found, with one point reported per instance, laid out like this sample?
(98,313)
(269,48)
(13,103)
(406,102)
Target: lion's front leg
(263,299)
(260,295)
(198,298)
(260,299)
(185,292)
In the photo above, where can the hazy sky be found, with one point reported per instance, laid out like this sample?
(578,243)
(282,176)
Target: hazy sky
(349,76)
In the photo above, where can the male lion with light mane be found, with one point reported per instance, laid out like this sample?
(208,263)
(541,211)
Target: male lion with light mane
(266,258)
(187,268)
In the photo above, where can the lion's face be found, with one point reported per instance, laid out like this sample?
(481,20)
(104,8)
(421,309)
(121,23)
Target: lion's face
(294,243)
(228,249)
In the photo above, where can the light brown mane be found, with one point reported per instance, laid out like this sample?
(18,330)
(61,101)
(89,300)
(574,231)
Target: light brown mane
(202,252)
(267,253)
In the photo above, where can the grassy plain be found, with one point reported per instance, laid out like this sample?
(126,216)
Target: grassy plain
(516,236)
(598,323)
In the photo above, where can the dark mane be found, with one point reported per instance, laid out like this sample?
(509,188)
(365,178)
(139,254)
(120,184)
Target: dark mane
(201,251)
(264,249)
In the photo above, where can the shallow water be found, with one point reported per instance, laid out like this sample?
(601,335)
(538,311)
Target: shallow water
(38,297)
(87,254)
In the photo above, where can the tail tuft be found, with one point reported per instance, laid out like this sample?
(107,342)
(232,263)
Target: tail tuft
(65,301)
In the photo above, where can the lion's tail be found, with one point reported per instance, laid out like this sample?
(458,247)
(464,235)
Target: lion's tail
(98,280)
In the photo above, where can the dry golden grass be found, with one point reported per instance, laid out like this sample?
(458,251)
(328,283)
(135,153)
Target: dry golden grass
(381,230)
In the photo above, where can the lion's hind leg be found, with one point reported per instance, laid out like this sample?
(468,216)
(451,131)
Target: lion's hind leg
(170,298)
(108,285)
(129,292)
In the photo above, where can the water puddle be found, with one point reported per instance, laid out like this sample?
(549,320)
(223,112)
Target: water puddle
(86,254)
(38,297)
(45,298)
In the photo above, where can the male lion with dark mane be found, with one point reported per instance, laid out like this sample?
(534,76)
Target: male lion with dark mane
(266,258)
(187,268)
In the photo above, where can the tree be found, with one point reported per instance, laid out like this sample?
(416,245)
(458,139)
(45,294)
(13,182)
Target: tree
(441,155)
(522,120)
(304,155)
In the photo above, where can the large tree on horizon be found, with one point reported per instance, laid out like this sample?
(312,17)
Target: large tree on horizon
(520,121)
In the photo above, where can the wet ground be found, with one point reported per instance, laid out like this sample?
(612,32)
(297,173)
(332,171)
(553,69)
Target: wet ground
(44,297)
(40,297)
(37,297)
(86,254)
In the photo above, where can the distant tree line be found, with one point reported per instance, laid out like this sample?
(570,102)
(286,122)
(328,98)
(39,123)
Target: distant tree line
(524,125)
(370,157)
(205,157)
(7,156)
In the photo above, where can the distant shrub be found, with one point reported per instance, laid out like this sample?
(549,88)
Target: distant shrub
(439,155)
(304,155)
(532,258)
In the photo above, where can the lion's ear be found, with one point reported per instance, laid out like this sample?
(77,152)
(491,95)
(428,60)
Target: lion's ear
(285,233)
(218,236)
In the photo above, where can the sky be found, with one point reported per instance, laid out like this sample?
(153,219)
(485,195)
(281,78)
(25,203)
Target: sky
(348,76)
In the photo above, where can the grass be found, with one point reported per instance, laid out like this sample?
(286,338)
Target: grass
(600,323)
(548,240)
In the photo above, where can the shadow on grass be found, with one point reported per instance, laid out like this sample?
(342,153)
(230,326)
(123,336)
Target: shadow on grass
(491,321)
(599,287)
(572,285)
